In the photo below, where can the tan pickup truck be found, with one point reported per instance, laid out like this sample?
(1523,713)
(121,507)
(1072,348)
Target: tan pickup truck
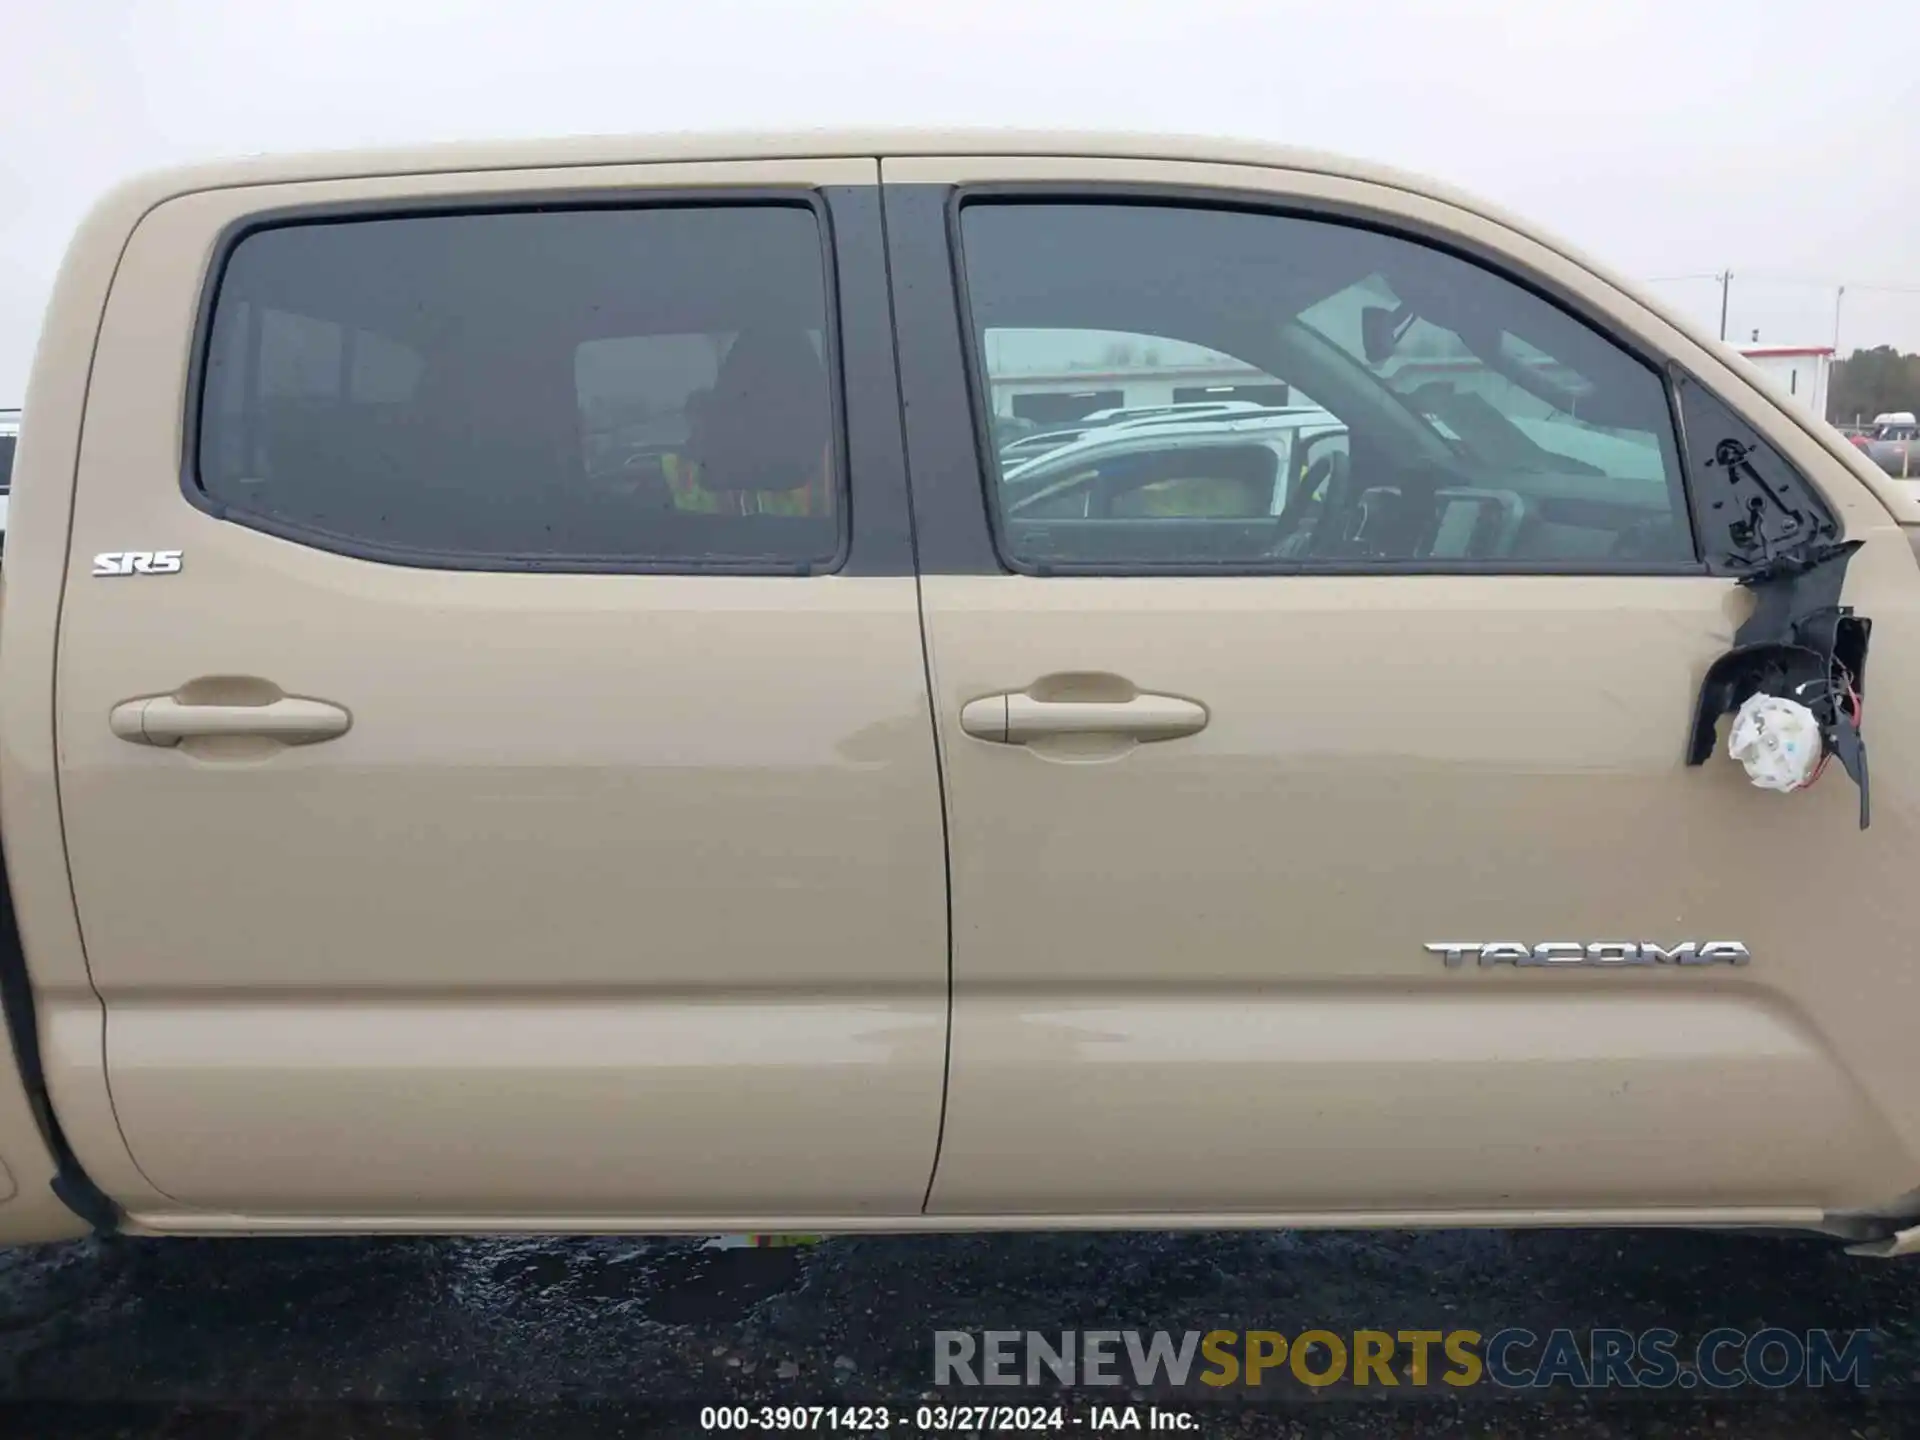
(529,699)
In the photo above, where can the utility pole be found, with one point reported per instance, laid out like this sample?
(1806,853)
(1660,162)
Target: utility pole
(1724,277)
(1838,296)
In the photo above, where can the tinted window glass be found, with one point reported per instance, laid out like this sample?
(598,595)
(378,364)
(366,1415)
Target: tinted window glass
(1410,405)
(7,443)
(571,388)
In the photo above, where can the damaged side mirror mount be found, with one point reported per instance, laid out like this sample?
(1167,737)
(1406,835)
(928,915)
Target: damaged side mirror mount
(1800,644)
(1760,521)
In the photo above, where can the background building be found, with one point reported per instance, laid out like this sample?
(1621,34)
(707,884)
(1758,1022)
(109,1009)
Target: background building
(1055,378)
(1800,370)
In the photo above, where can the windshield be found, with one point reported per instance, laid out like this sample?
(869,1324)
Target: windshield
(1499,397)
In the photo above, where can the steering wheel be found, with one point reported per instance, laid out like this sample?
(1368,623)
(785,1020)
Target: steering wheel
(1328,473)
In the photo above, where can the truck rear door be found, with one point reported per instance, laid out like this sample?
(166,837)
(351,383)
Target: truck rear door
(492,713)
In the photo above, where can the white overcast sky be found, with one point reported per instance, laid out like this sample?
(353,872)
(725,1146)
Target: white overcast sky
(1671,137)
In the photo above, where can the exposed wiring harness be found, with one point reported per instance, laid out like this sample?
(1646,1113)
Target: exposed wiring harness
(1855,706)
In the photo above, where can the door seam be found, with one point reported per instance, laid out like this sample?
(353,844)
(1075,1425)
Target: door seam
(926,671)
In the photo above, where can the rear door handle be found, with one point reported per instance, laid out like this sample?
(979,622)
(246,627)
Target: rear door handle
(1019,719)
(165,720)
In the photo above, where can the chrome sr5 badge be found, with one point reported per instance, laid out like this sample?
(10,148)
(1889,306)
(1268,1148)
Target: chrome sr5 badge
(137,562)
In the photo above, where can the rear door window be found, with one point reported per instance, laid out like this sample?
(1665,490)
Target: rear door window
(586,389)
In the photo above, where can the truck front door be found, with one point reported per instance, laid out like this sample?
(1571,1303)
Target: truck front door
(1225,790)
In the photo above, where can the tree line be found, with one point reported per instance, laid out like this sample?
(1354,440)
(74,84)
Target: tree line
(1871,382)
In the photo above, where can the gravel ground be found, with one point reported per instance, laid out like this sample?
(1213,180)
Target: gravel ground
(558,1338)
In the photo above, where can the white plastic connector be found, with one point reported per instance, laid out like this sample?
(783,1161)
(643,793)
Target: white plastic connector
(1778,742)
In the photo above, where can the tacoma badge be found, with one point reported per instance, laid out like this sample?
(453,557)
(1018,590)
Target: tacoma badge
(1598,952)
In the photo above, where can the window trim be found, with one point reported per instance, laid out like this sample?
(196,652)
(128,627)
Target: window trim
(812,199)
(1152,194)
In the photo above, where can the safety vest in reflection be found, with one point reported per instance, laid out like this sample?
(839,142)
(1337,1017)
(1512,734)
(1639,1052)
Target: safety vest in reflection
(683,479)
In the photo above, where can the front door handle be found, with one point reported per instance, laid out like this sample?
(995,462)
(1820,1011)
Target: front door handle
(1020,719)
(167,720)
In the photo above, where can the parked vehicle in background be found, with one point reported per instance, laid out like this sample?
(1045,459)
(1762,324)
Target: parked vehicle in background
(1040,442)
(1009,429)
(1894,444)
(1122,414)
(1026,447)
(9,442)
(598,737)
(1218,466)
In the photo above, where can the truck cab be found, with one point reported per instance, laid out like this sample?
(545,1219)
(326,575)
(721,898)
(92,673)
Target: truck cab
(530,699)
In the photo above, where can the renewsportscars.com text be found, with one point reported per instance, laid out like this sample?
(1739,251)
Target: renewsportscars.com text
(1221,1360)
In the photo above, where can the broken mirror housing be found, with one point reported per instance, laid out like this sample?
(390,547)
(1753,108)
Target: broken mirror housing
(1760,521)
